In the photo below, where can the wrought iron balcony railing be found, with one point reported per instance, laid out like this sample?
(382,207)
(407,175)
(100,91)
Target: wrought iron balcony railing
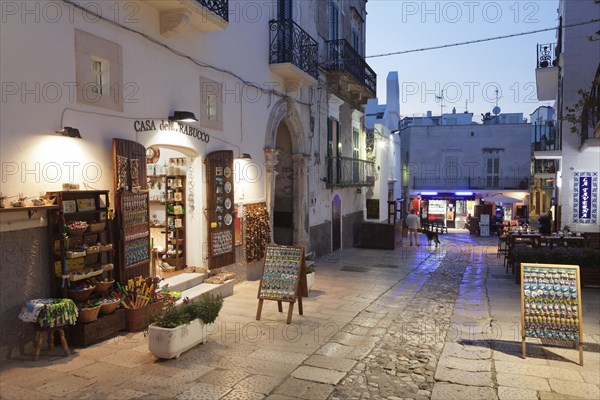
(346,171)
(342,57)
(219,7)
(291,44)
(483,183)
(546,55)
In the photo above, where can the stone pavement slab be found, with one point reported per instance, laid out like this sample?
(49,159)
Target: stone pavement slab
(510,393)
(585,390)
(449,391)
(316,374)
(299,388)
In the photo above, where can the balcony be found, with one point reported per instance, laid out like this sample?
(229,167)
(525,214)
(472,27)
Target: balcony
(544,169)
(546,72)
(203,15)
(350,77)
(546,141)
(346,171)
(471,183)
(293,53)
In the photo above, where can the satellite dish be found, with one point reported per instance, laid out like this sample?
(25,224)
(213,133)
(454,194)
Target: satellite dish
(496,110)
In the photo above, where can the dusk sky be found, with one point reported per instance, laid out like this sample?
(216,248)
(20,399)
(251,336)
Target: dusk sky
(467,73)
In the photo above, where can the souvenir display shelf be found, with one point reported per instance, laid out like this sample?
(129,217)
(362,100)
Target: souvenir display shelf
(551,304)
(170,198)
(79,254)
(220,208)
(283,274)
(131,209)
(135,234)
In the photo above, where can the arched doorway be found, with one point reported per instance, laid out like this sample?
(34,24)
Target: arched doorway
(283,208)
(336,223)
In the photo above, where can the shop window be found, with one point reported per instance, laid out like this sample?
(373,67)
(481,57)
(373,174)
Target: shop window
(211,93)
(99,72)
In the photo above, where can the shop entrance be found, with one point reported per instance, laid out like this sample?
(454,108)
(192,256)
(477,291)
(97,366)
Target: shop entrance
(336,223)
(283,210)
(167,174)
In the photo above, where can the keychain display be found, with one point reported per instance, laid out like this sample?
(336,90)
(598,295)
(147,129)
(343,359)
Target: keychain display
(122,169)
(257,230)
(134,172)
(136,232)
(222,242)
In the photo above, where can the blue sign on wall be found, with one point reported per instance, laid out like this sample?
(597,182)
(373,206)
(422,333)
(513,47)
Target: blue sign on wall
(585,197)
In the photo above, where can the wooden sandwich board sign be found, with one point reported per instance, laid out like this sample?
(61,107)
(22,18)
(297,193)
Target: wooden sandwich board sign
(551,304)
(282,275)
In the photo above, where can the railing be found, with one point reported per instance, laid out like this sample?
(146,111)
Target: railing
(342,57)
(346,171)
(546,55)
(544,166)
(291,44)
(483,183)
(219,7)
(546,137)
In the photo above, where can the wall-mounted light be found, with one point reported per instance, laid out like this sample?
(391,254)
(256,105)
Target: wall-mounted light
(463,193)
(183,116)
(245,156)
(70,132)
(429,193)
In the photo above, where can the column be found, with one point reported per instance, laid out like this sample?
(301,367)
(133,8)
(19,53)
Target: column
(270,162)
(301,236)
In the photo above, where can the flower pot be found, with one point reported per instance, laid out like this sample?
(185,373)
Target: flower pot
(310,280)
(171,342)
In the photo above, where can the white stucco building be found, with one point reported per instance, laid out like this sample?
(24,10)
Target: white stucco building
(450,162)
(282,81)
(382,121)
(563,69)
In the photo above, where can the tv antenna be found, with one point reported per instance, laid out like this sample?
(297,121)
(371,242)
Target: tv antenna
(496,110)
(440,98)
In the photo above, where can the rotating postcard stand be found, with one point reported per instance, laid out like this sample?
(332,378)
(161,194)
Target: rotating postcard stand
(551,304)
(283,274)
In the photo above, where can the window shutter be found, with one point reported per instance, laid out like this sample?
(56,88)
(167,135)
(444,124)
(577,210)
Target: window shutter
(322,18)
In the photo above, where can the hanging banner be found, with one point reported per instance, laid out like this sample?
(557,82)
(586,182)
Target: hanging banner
(585,197)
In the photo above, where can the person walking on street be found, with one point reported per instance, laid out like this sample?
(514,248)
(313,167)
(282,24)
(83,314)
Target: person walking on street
(414,224)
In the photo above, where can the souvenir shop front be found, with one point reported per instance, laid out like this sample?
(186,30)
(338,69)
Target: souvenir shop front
(449,209)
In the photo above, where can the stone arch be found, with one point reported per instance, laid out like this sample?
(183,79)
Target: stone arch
(284,112)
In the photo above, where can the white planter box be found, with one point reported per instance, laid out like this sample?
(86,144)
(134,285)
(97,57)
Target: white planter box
(171,342)
(310,280)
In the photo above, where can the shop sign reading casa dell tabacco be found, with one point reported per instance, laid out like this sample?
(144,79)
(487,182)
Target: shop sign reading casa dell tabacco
(166,125)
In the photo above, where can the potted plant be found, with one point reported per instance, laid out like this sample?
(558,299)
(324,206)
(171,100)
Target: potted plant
(181,327)
(310,276)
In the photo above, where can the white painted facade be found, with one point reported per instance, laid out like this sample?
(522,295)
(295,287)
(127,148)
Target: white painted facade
(384,120)
(152,74)
(578,62)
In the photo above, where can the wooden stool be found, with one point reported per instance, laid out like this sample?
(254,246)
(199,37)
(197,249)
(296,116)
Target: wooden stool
(50,333)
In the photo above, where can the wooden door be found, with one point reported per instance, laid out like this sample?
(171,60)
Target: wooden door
(336,223)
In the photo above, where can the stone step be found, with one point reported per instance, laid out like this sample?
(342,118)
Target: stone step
(184,281)
(223,289)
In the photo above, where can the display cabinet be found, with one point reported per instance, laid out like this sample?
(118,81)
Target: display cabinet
(81,244)
(80,238)
(167,209)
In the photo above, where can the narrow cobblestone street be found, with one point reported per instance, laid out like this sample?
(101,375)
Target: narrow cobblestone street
(415,323)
